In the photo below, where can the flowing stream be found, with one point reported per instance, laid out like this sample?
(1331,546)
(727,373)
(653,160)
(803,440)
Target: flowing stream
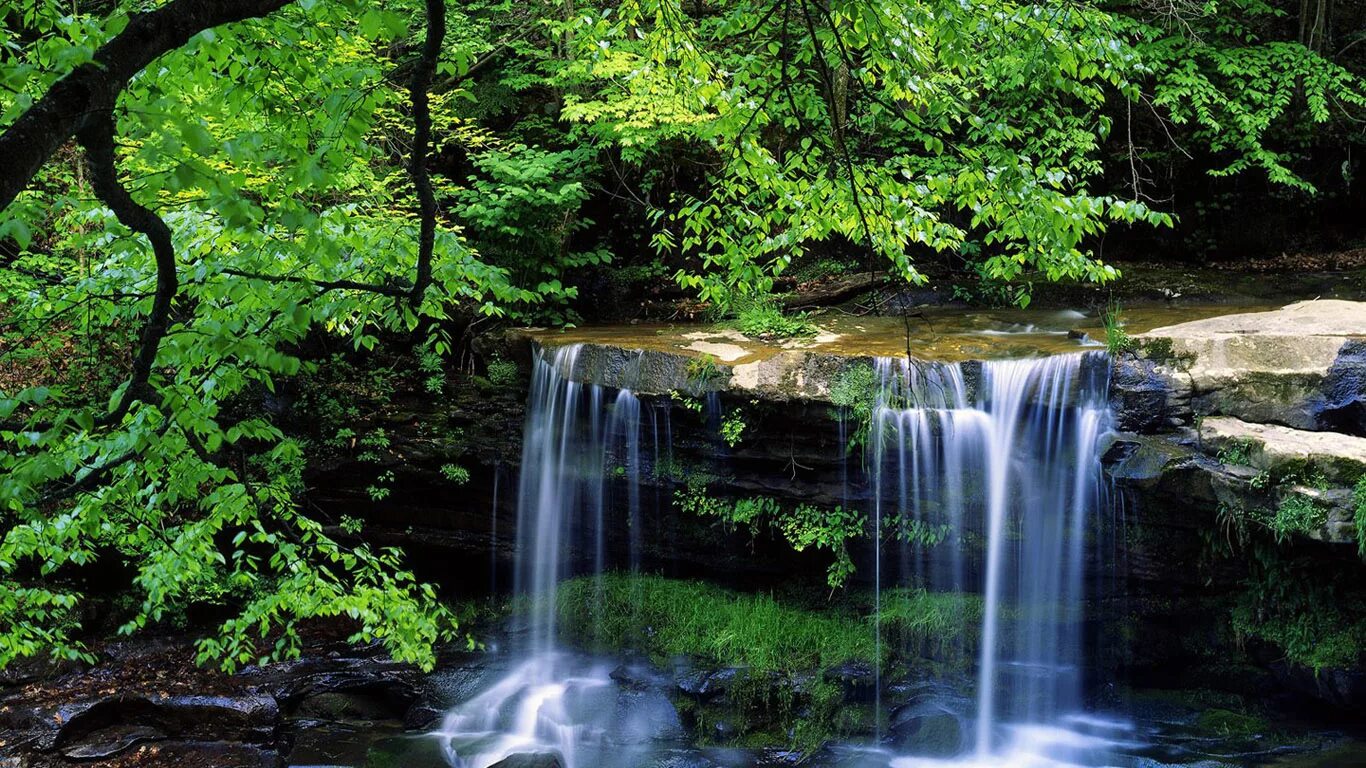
(1003,452)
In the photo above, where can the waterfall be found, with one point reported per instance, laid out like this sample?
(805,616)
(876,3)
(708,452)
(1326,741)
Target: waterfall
(583,458)
(984,480)
(1014,466)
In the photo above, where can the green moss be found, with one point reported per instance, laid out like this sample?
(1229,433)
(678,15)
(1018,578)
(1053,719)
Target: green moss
(855,391)
(1227,723)
(939,625)
(1163,352)
(665,618)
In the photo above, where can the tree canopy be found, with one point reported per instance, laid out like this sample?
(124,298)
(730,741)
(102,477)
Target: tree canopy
(192,190)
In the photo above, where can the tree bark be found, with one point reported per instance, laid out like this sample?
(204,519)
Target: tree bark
(91,89)
(422,134)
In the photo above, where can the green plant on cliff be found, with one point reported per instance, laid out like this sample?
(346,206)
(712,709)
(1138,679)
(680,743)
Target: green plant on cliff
(1117,339)
(803,526)
(1359,516)
(1237,452)
(855,392)
(1315,613)
(733,428)
(1296,514)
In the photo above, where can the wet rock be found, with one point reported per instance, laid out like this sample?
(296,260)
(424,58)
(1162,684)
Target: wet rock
(1343,408)
(530,760)
(1344,688)
(1143,398)
(856,679)
(779,758)
(683,759)
(723,731)
(647,716)
(707,684)
(389,684)
(348,706)
(424,715)
(108,742)
(928,728)
(638,675)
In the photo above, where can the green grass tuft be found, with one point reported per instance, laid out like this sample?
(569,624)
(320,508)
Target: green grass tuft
(666,618)
(764,319)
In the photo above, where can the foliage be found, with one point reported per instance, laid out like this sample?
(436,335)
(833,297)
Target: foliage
(666,618)
(1117,340)
(1316,617)
(1217,75)
(521,208)
(803,526)
(268,148)
(764,319)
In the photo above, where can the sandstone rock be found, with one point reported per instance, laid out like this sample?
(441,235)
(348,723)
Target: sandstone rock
(1301,366)
(1339,458)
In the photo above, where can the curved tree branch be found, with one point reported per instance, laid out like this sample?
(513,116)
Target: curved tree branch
(98,139)
(422,134)
(91,89)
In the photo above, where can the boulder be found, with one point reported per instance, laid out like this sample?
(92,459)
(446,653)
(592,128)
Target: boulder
(1301,366)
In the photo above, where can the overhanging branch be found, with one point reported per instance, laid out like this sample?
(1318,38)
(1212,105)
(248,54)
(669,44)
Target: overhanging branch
(91,90)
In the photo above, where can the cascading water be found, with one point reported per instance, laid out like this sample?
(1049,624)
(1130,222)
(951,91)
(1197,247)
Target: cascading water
(1016,468)
(575,446)
(984,482)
